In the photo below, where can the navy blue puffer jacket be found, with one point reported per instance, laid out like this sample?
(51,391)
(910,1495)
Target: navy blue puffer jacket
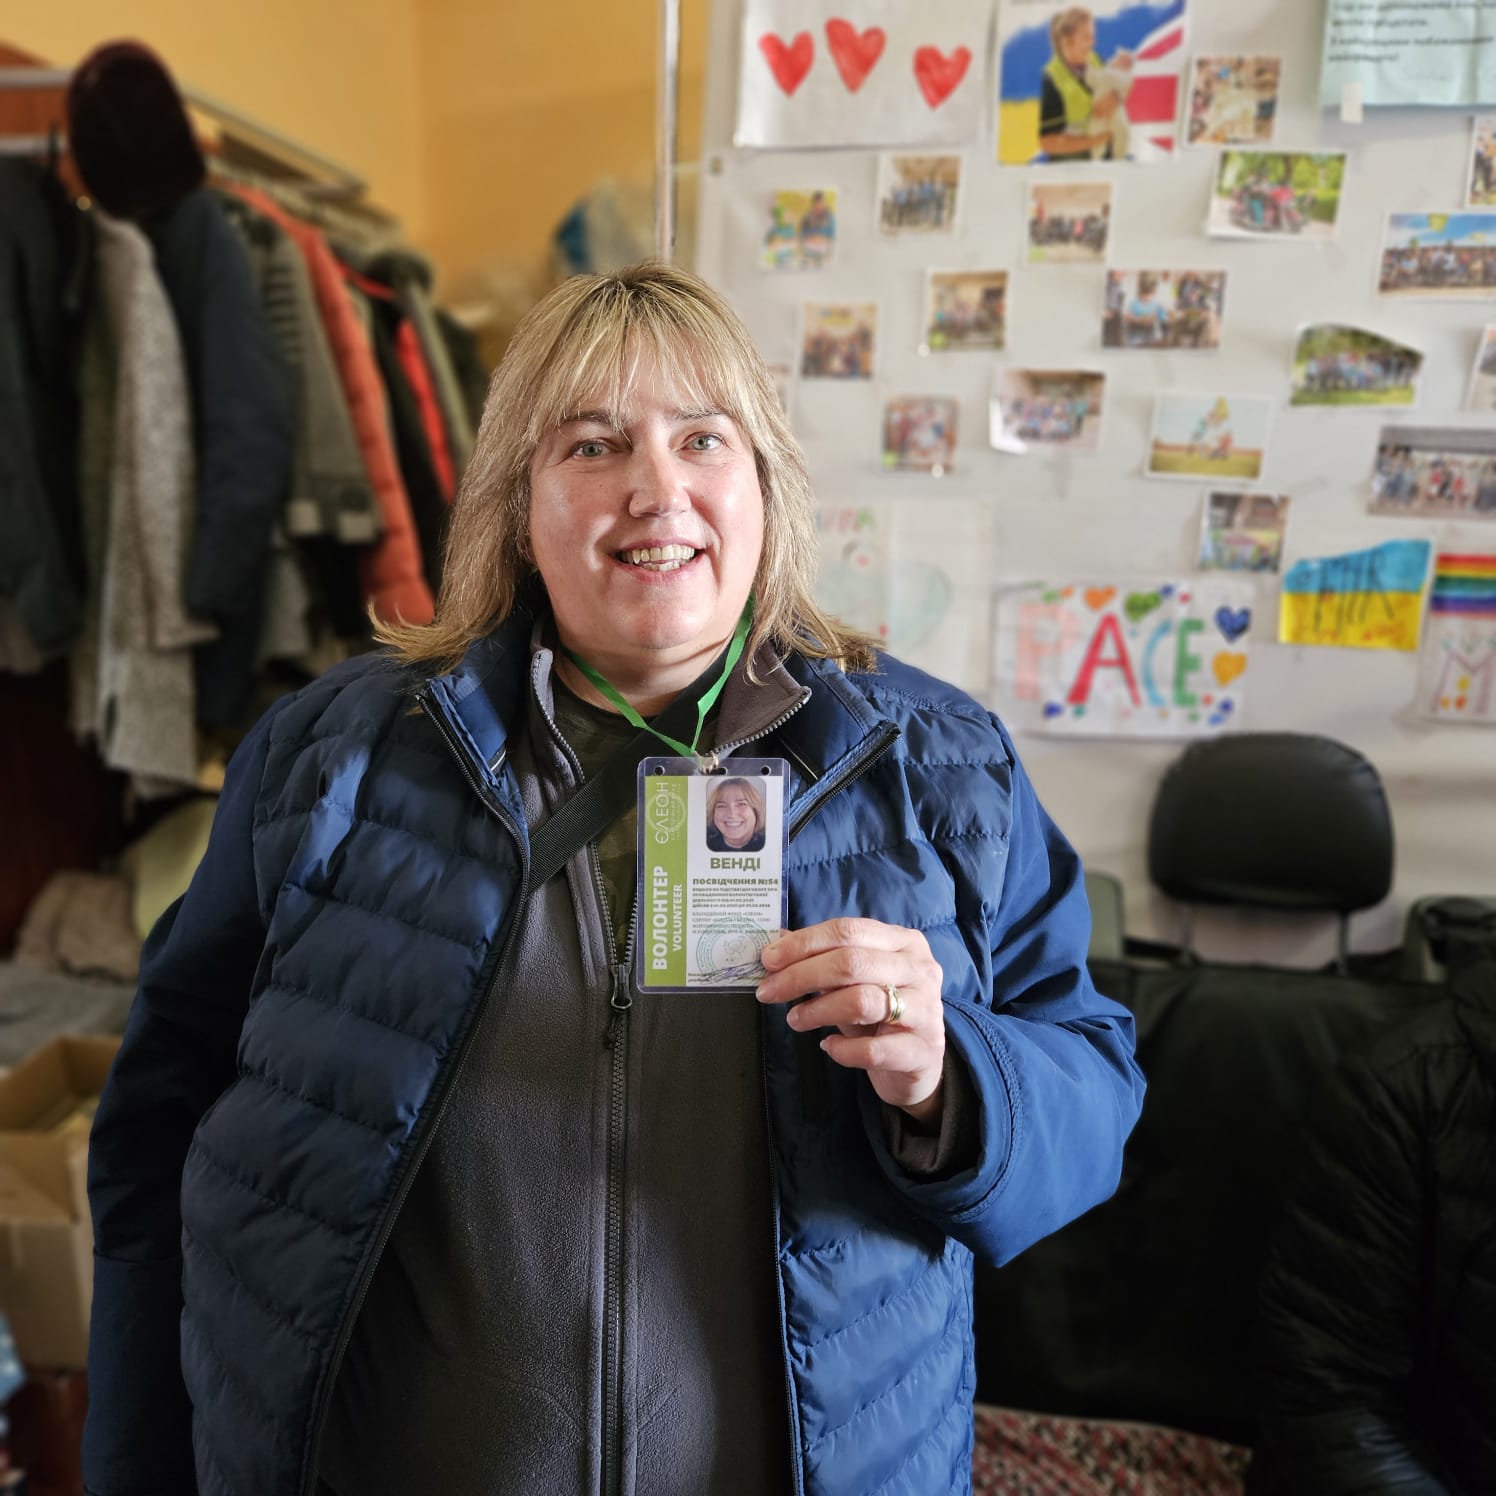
(302,1007)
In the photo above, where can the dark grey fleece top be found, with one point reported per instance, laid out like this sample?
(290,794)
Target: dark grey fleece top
(476,1364)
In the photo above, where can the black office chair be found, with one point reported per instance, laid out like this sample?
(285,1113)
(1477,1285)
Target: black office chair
(1283,821)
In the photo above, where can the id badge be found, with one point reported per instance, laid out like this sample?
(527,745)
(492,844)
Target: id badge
(711,872)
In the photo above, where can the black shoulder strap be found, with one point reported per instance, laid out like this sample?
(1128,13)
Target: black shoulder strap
(609,793)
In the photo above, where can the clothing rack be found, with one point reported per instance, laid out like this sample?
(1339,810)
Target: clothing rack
(322,175)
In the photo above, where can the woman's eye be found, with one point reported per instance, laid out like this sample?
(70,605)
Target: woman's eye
(589,449)
(705,441)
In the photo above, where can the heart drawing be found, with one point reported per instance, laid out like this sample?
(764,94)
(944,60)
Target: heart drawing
(791,63)
(1227,667)
(854,53)
(1098,597)
(938,75)
(1233,622)
(1138,605)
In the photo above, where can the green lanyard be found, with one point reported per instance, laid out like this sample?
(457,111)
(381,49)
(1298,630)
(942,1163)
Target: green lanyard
(707,701)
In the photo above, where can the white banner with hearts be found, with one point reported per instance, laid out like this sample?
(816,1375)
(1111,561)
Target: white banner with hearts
(873,73)
(1157,659)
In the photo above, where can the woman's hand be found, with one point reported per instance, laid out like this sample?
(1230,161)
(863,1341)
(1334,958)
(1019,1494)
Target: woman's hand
(844,968)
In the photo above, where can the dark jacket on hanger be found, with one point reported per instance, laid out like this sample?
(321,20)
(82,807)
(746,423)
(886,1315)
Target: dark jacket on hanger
(43,276)
(1378,1315)
(245,435)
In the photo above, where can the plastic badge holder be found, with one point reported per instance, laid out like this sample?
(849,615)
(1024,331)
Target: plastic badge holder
(711,873)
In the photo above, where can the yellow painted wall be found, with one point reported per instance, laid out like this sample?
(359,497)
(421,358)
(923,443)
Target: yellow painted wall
(477,122)
(342,76)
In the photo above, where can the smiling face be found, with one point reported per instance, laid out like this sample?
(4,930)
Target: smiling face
(646,525)
(735,813)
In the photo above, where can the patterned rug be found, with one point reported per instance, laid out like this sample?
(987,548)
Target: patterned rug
(1037,1454)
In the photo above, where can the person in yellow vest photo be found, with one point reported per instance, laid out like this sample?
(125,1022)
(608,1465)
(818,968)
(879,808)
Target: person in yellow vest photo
(1081,100)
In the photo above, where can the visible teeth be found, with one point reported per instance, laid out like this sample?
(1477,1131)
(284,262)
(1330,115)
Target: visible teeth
(672,555)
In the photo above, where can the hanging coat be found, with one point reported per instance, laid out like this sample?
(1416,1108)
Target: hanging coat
(132,671)
(244,437)
(391,569)
(42,254)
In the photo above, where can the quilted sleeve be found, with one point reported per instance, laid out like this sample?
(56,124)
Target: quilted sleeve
(1050,1061)
(1339,1309)
(176,1058)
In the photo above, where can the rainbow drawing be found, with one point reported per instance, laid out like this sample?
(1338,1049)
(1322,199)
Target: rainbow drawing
(1457,665)
(1368,599)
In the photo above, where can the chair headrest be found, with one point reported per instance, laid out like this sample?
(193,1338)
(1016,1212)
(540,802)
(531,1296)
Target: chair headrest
(1273,820)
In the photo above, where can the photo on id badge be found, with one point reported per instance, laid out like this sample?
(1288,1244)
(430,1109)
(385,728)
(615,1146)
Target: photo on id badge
(711,871)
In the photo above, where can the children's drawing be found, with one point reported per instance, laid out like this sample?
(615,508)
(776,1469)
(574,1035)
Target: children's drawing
(1361,600)
(1089,83)
(1154,659)
(801,232)
(914,575)
(1209,436)
(882,73)
(1457,664)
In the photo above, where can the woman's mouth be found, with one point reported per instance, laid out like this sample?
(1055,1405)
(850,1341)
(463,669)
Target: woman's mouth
(658,557)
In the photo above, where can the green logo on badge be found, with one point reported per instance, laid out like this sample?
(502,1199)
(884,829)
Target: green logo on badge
(665,809)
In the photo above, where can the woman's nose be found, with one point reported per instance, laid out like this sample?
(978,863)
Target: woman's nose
(657,483)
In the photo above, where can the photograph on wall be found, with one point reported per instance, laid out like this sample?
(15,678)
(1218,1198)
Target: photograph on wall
(1243,531)
(915,575)
(801,232)
(1338,365)
(838,340)
(1482,392)
(1481,189)
(1435,472)
(919,434)
(1047,408)
(1086,83)
(901,76)
(1391,52)
(1457,659)
(1233,100)
(917,194)
(1067,223)
(1442,256)
(1276,195)
(1208,436)
(1156,658)
(965,310)
(1367,599)
(1163,309)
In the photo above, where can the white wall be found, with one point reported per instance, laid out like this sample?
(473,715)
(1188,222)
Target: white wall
(1063,515)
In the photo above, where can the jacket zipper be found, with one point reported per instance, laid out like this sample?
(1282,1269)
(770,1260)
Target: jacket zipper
(323,1395)
(882,742)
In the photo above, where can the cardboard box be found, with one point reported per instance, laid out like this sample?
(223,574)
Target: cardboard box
(46,1237)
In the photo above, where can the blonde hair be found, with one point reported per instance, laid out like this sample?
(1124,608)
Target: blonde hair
(751,792)
(1066,22)
(583,346)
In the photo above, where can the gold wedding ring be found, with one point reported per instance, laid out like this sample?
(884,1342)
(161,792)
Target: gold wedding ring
(895,1004)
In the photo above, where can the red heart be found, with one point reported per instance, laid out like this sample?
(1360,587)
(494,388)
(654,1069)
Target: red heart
(938,74)
(854,55)
(789,64)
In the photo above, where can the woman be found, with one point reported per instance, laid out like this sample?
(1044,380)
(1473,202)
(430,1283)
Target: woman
(397,1182)
(735,817)
(1082,112)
